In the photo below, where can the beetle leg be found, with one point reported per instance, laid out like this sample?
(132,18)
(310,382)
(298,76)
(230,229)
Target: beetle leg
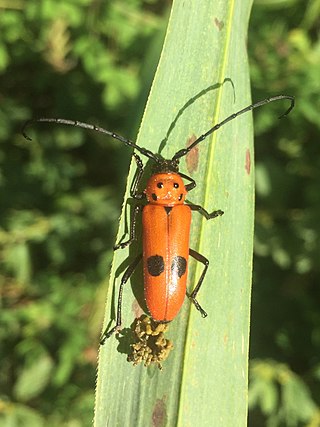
(137,178)
(192,184)
(206,214)
(126,276)
(194,293)
(136,195)
(133,224)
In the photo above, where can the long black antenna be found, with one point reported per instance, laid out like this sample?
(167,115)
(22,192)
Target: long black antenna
(185,151)
(76,123)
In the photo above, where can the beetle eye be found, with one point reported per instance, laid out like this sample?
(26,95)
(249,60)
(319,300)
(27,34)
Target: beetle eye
(160,185)
(176,185)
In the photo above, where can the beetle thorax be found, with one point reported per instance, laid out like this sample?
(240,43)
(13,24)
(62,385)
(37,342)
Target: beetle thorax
(166,189)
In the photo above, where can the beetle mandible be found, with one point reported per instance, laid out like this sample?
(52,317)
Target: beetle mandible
(166,219)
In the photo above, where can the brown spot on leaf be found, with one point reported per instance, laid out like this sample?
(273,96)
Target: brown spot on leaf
(248,161)
(219,24)
(192,158)
(159,414)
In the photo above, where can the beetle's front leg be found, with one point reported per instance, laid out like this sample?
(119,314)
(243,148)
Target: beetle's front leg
(192,183)
(206,214)
(134,190)
(133,224)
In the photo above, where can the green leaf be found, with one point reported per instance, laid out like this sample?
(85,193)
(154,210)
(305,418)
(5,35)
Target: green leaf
(33,379)
(204,380)
(19,415)
(18,258)
(281,395)
(295,390)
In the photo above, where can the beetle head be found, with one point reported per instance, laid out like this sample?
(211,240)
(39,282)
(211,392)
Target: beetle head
(166,188)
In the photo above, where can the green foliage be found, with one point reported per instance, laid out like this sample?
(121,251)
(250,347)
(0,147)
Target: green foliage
(284,50)
(282,396)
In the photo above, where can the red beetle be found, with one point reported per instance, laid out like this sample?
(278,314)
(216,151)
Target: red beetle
(166,219)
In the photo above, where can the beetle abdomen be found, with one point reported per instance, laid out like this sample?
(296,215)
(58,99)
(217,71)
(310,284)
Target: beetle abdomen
(166,232)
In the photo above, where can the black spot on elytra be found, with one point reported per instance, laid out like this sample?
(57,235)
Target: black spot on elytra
(155,265)
(179,265)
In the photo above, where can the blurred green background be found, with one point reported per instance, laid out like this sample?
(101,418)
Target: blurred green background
(60,199)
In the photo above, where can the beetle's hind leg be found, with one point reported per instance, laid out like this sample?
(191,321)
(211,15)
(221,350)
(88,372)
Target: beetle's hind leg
(194,293)
(126,276)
